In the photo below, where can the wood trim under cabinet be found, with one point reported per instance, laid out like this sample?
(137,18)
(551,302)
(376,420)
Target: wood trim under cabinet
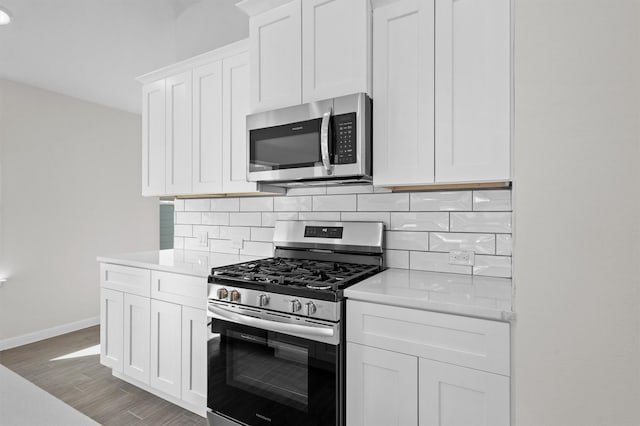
(446,186)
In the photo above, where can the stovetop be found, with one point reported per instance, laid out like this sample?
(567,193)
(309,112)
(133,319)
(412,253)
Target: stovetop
(298,277)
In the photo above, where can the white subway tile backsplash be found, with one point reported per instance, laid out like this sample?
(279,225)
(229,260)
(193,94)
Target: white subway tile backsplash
(225,204)
(396,259)
(367,217)
(222,246)
(481,222)
(262,234)
(212,231)
(494,200)
(183,230)
(186,218)
(293,204)
(194,244)
(383,202)
(197,205)
(350,189)
(447,241)
(437,262)
(432,221)
(504,244)
(269,219)
(215,218)
(256,204)
(494,266)
(401,240)
(178,205)
(312,190)
(334,203)
(245,219)
(328,216)
(178,242)
(441,201)
(254,248)
(231,232)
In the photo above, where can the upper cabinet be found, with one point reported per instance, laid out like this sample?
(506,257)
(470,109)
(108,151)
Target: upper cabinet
(304,51)
(194,125)
(442,91)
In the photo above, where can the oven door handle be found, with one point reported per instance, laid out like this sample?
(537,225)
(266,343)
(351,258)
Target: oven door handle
(305,330)
(324,141)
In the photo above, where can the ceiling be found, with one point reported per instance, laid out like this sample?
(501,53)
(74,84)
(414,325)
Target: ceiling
(94,49)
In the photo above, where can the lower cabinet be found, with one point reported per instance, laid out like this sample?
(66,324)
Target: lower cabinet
(391,380)
(158,345)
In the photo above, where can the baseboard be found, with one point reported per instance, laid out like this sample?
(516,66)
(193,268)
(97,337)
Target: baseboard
(36,336)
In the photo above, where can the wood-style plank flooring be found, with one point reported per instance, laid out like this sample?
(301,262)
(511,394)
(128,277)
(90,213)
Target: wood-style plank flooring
(88,386)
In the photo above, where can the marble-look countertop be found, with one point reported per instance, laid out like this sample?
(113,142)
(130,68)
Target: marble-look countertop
(484,297)
(189,262)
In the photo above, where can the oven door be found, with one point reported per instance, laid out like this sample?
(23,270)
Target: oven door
(261,377)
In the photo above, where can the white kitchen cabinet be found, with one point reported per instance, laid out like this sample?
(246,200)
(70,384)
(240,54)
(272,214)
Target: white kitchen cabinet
(194,356)
(275,50)
(473,110)
(431,127)
(137,328)
(382,387)
(166,347)
(178,134)
(153,138)
(403,93)
(111,328)
(457,396)
(207,128)
(336,46)
(235,101)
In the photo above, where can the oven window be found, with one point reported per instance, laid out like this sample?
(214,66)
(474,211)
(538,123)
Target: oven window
(263,366)
(287,146)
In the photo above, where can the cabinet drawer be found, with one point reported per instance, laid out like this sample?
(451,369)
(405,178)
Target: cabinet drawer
(469,342)
(125,278)
(182,289)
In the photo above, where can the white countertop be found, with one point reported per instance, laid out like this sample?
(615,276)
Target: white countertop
(484,297)
(189,262)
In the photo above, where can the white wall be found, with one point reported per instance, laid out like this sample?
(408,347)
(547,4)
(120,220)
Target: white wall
(577,213)
(70,190)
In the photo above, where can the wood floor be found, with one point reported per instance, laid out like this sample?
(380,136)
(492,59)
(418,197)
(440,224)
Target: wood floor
(89,387)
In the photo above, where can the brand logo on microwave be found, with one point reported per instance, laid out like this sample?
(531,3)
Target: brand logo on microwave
(297,128)
(260,416)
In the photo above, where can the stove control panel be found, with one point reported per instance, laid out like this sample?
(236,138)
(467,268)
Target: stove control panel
(286,304)
(323,231)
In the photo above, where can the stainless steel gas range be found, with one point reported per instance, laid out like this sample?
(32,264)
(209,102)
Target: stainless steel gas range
(276,343)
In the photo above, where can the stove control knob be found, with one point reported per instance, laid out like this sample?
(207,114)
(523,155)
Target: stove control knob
(309,308)
(294,305)
(263,300)
(235,296)
(223,293)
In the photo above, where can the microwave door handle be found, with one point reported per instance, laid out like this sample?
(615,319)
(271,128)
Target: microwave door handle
(324,141)
(270,325)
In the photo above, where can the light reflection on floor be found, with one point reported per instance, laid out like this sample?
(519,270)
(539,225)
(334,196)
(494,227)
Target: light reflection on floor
(92,350)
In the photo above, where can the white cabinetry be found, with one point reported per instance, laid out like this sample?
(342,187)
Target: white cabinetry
(194,125)
(153,332)
(408,367)
(304,51)
(442,91)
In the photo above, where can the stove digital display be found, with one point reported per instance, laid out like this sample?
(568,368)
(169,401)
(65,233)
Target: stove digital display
(323,231)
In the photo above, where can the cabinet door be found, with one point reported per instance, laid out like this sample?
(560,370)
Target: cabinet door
(235,97)
(166,328)
(137,329)
(382,387)
(276,57)
(207,129)
(153,140)
(473,96)
(111,328)
(178,134)
(459,396)
(194,356)
(335,48)
(403,68)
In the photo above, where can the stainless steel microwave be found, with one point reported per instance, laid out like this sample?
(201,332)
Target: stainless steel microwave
(323,142)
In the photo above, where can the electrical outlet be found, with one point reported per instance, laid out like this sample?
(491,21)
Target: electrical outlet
(237,243)
(203,239)
(460,257)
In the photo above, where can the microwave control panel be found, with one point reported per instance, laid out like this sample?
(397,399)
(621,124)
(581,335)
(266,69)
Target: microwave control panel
(345,138)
